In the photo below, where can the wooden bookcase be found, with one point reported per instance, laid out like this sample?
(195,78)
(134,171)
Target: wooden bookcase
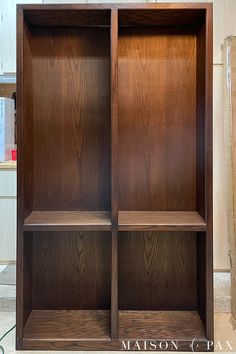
(114,117)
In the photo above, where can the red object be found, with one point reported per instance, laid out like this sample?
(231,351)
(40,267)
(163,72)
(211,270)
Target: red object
(14,155)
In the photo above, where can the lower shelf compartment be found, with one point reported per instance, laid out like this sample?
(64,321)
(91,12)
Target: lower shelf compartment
(171,325)
(90,330)
(68,325)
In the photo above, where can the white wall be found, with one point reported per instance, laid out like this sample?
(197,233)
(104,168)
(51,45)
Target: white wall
(8,34)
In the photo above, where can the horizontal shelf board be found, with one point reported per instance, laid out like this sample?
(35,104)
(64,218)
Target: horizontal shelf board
(181,325)
(59,325)
(160,221)
(90,329)
(68,221)
(95,345)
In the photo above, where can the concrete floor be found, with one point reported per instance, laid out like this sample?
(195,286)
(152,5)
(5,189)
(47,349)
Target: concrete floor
(225,336)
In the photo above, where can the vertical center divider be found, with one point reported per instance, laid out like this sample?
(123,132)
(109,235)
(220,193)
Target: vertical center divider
(114,174)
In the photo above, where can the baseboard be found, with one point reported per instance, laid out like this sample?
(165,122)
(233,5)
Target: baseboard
(7,262)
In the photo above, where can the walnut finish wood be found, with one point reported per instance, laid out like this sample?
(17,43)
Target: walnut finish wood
(114,118)
(68,325)
(157,119)
(71,271)
(135,325)
(160,324)
(182,345)
(76,127)
(114,175)
(60,16)
(162,17)
(24,178)
(68,221)
(200,123)
(201,278)
(151,265)
(160,221)
(21,277)
(171,7)
(209,173)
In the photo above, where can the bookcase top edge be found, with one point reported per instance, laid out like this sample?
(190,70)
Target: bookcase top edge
(110,6)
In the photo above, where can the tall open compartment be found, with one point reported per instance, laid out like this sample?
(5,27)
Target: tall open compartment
(114,176)
(64,175)
(163,215)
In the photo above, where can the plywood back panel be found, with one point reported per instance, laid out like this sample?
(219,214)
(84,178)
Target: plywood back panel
(71,270)
(157,119)
(154,270)
(71,118)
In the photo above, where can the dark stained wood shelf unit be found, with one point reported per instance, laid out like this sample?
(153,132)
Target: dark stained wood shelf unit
(114,174)
(73,325)
(160,221)
(68,221)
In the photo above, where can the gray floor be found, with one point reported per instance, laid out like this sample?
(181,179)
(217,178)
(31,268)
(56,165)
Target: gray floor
(7,289)
(222,290)
(8,275)
(7,309)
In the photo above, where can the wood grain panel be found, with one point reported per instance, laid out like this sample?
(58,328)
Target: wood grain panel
(68,221)
(71,115)
(107,6)
(67,17)
(72,325)
(157,119)
(160,324)
(160,17)
(160,221)
(25,156)
(152,265)
(200,345)
(71,270)
(201,121)
(114,174)
(201,275)
(24,175)
(21,277)
(28,276)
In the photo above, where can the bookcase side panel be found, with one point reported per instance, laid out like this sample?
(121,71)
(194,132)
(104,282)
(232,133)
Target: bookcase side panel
(24,173)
